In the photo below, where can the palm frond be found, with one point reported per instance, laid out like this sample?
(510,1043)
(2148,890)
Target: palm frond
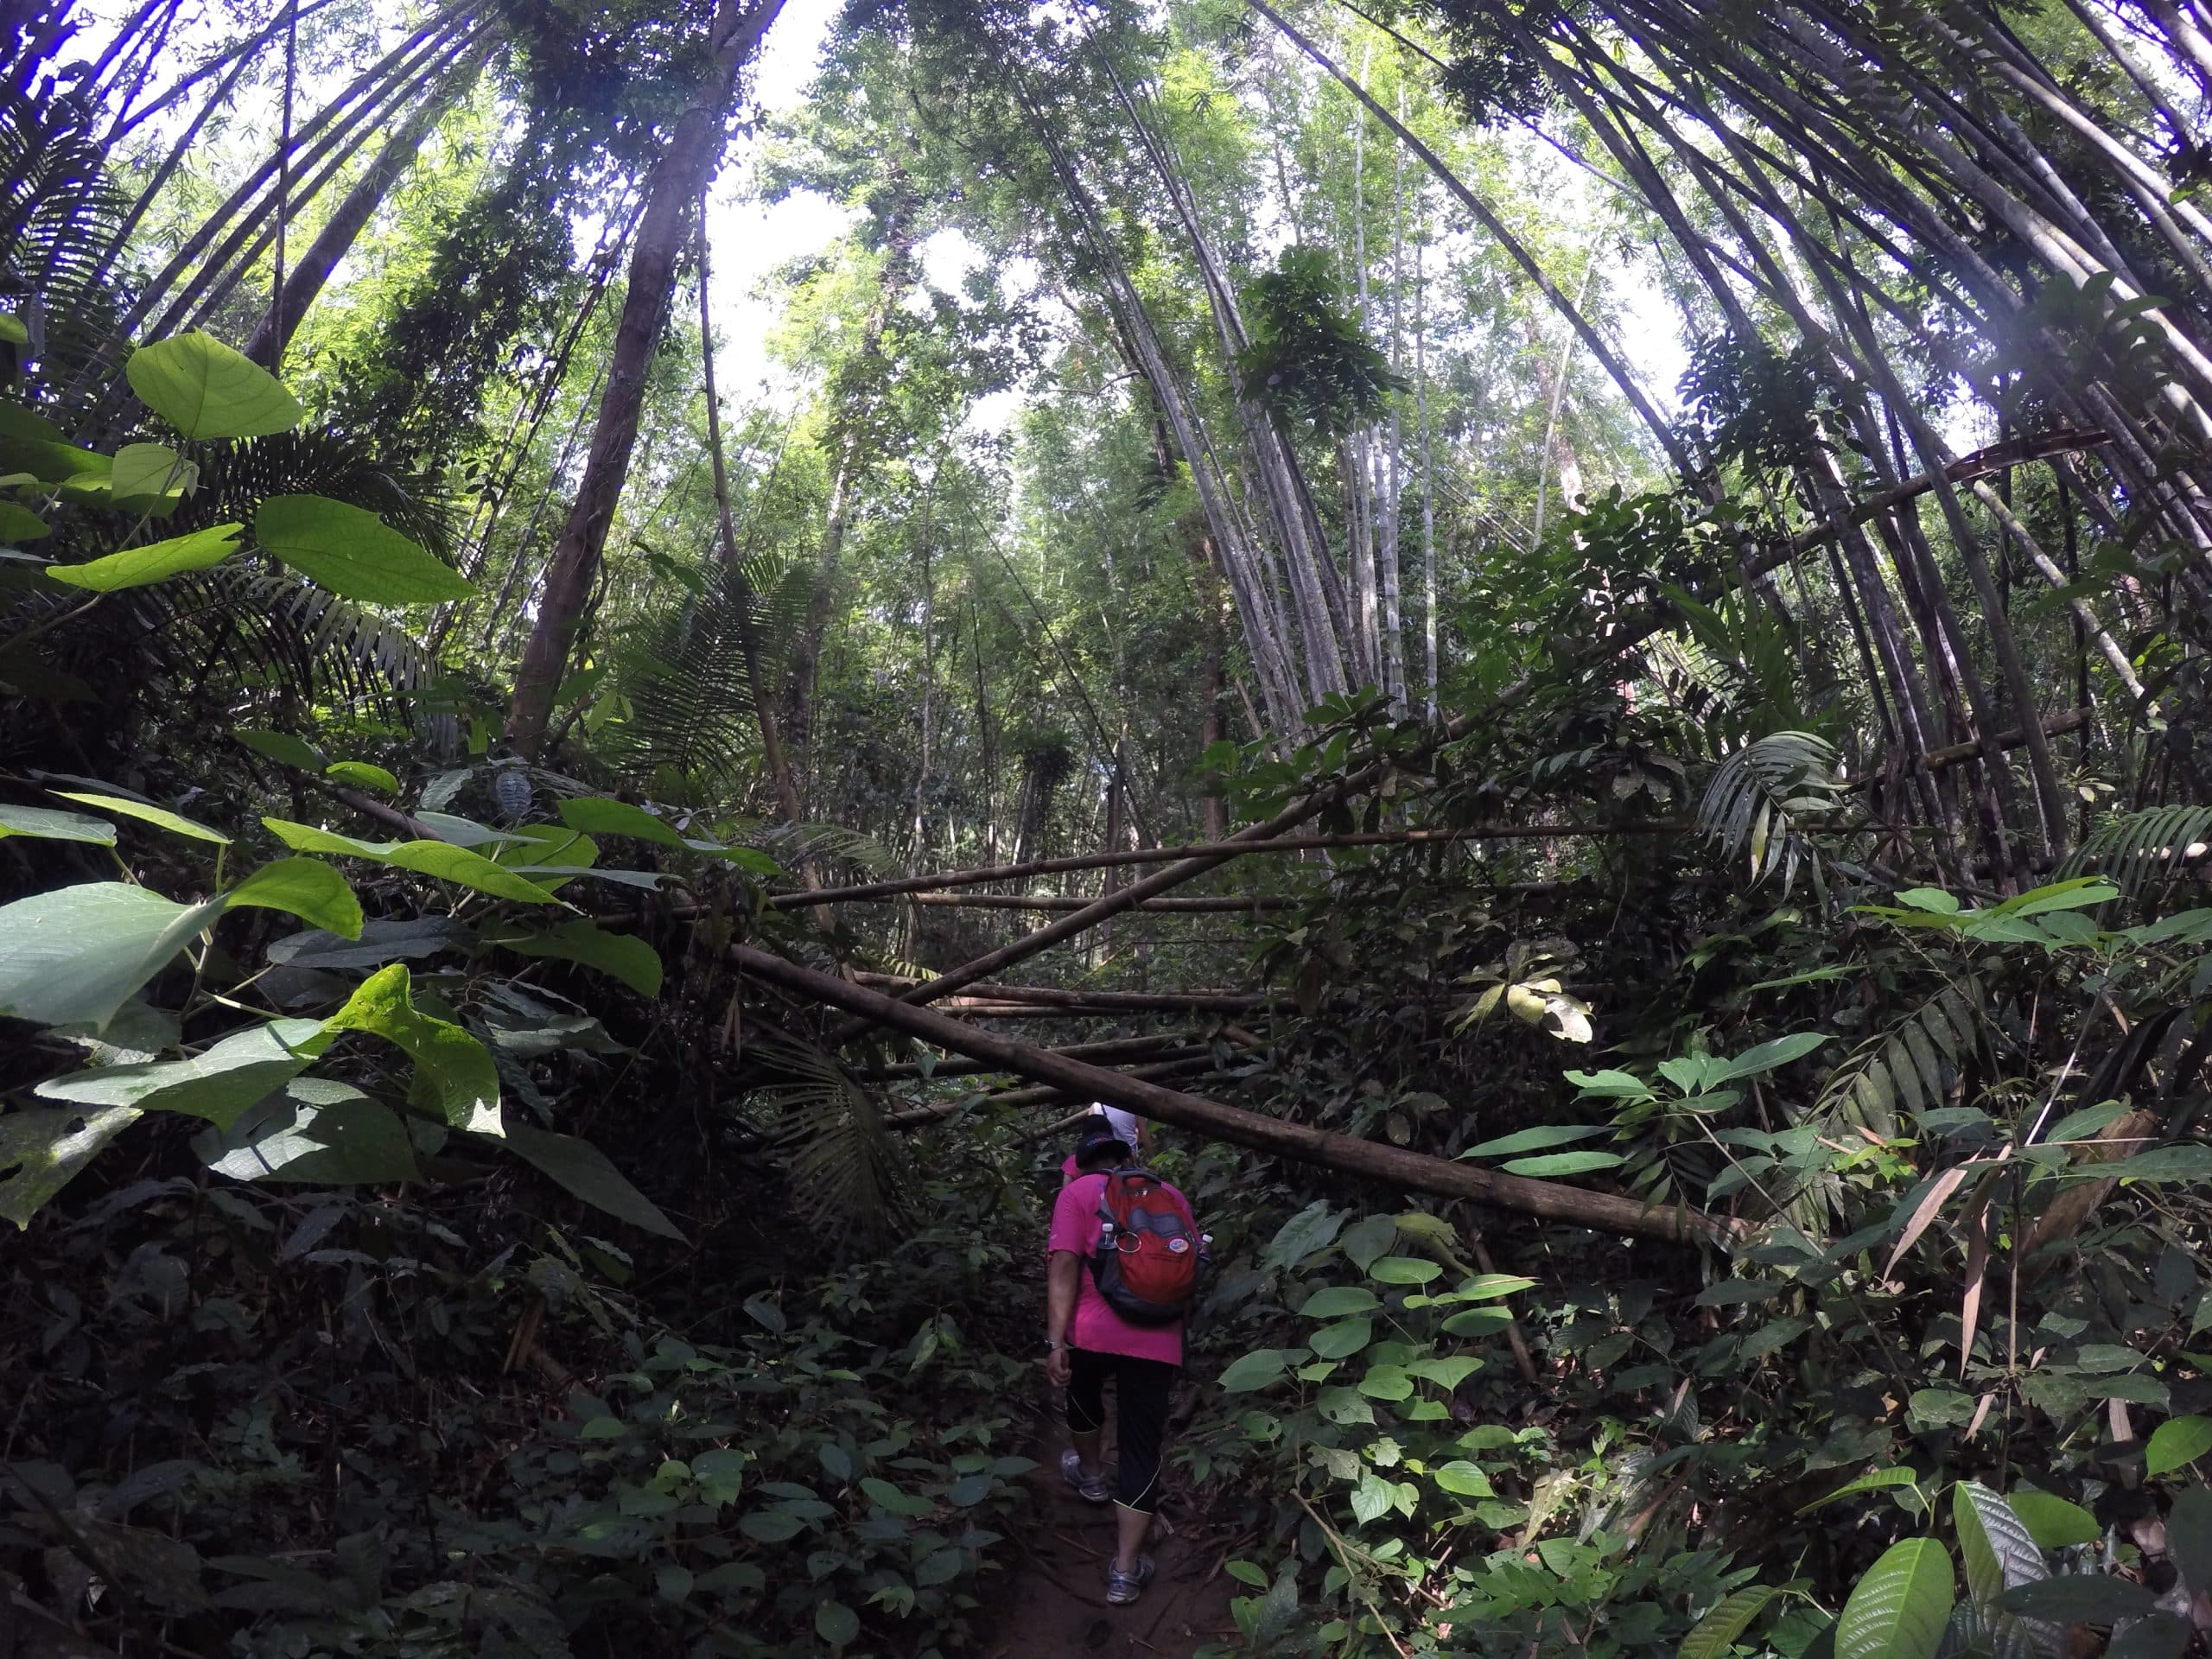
(2142,853)
(1758,797)
(1907,1069)
(789,844)
(59,213)
(847,1170)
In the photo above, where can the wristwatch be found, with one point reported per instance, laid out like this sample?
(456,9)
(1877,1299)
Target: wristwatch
(1053,1344)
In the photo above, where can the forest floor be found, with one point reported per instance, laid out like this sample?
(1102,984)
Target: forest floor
(1051,1601)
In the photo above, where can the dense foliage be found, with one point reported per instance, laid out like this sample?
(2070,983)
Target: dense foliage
(1695,1064)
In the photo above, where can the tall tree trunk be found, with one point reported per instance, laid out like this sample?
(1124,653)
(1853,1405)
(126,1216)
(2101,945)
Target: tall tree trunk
(694,150)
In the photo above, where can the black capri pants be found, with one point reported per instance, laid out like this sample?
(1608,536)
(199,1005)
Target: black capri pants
(1141,1387)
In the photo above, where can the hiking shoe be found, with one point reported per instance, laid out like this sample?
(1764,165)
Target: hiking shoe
(1091,1489)
(1122,1588)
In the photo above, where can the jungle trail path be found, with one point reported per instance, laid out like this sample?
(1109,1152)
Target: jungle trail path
(1050,1601)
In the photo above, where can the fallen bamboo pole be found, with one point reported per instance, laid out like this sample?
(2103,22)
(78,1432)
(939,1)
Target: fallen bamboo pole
(1411,1170)
(1209,903)
(984,875)
(1113,1048)
(1041,1094)
(1054,997)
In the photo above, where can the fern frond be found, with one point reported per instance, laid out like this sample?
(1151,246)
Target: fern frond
(847,1170)
(1758,796)
(2142,852)
(789,844)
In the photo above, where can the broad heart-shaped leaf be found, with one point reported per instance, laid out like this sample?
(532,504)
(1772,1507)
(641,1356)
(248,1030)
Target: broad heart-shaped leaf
(151,478)
(835,1624)
(2052,1521)
(135,567)
(1339,1301)
(2175,1444)
(40,1150)
(1716,1633)
(594,815)
(354,554)
(1344,1337)
(45,823)
(74,956)
(380,942)
(314,1130)
(436,858)
(1403,1270)
(1460,1477)
(1257,1368)
(1540,1139)
(176,823)
(583,1169)
(243,1070)
(1313,1228)
(1447,1372)
(453,1072)
(306,888)
(205,389)
(1899,1609)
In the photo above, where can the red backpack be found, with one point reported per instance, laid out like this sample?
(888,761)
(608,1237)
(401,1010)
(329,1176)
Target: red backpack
(1149,1251)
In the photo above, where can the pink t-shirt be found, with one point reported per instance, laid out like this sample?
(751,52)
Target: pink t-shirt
(1098,1327)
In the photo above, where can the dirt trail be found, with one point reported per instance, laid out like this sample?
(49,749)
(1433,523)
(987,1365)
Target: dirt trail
(1053,1599)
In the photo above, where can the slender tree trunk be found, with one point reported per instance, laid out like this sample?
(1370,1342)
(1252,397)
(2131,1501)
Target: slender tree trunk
(694,150)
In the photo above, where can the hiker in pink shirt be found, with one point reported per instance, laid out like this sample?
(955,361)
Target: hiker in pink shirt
(1088,1341)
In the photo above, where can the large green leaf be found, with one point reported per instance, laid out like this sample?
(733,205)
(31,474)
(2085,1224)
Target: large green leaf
(72,956)
(243,1070)
(160,817)
(1544,1135)
(281,745)
(1552,1164)
(205,389)
(2174,1445)
(1463,1478)
(45,823)
(306,888)
(362,775)
(1716,1633)
(2052,1521)
(315,1130)
(1345,1337)
(40,1150)
(584,1170)
(1767,1056)
(135,567)
(1257,1368)
(1899,1609)
(2077,1599)
(31,445)
(624,956)
(433,858)
(597,816)
(2189,1537)
(1403,1270)
(151,478)
(19,525)
(1997,1549)
(353,553)
(1339,1301)
(453,1072)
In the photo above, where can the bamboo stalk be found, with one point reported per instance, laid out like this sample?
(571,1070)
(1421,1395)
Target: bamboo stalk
(1394,1165)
